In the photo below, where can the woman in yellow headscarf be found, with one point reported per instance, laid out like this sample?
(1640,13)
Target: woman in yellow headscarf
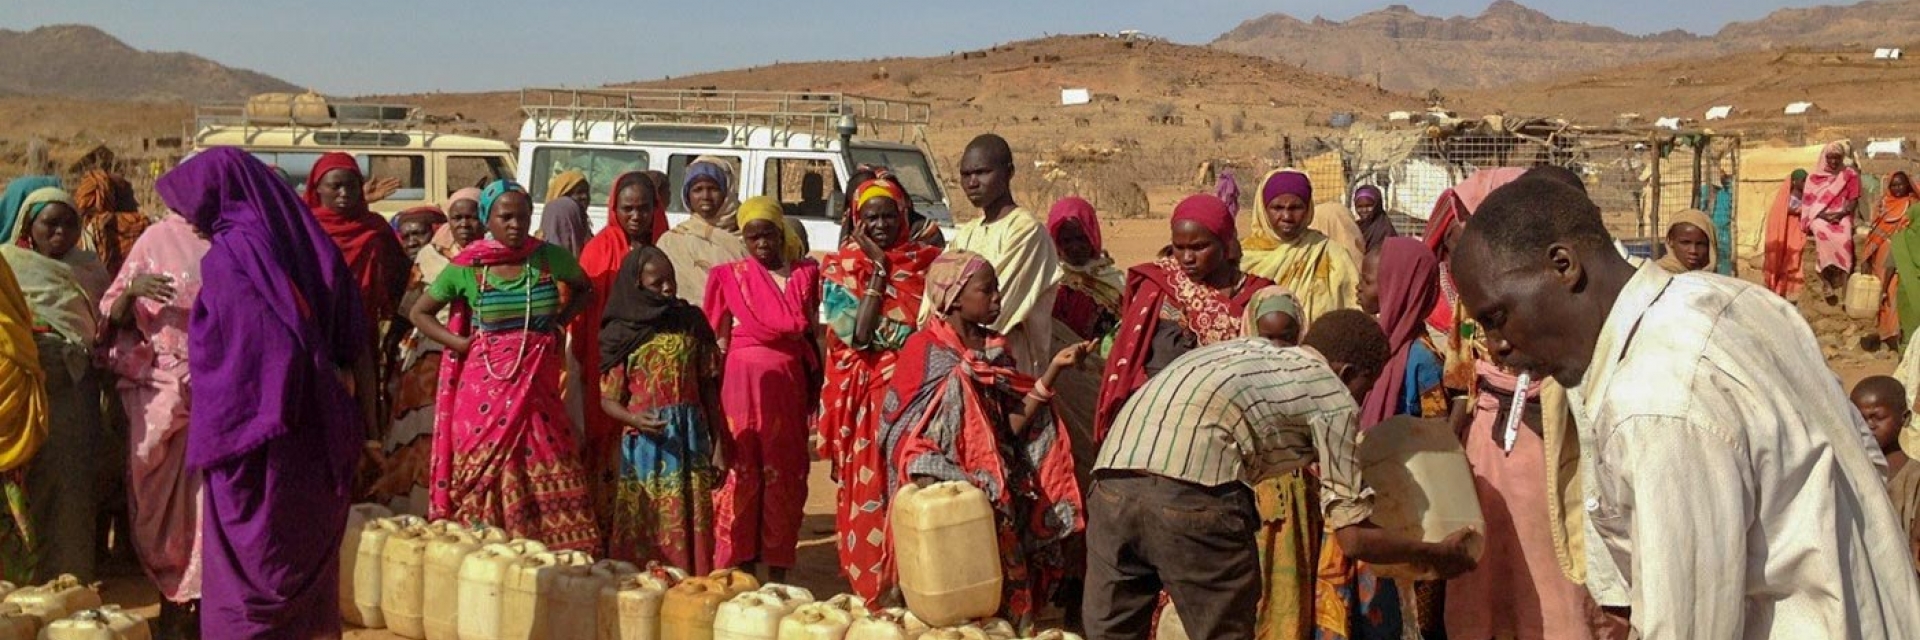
(763,309)
(23,423)
(1285,249)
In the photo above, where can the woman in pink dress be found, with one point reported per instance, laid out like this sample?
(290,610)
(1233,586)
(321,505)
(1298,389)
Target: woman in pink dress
(764,310)
(147,308)
(1827,210)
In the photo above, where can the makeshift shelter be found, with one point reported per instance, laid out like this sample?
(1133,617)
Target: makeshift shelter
(1762,171)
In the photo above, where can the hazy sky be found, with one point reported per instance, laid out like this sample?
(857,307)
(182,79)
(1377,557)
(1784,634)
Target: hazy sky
(362,46)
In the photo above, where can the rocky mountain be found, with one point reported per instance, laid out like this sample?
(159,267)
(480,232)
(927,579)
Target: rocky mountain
(1402,50)
(82,62)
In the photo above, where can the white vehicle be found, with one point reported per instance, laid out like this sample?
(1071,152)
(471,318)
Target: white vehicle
(800,148)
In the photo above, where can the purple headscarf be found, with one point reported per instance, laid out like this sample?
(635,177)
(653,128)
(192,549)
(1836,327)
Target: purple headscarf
(278,313)
(1374,231)
(564,223)
(1229,191)
(1286,182)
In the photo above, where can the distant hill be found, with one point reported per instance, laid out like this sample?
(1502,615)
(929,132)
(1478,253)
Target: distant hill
(82,62)
(1510,43)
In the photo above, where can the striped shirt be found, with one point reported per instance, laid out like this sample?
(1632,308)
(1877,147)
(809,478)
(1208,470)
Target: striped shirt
(1245,410)
(511,304)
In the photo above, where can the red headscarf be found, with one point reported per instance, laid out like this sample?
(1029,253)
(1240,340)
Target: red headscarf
(1074,209)
(1211,214)
(1458,204)
(373,253)
(600,260)
(1409,282)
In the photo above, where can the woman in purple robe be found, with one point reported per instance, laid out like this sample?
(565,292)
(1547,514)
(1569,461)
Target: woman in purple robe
(273,334)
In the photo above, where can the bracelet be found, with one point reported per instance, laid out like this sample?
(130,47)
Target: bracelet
(1039,398)
(875,293)
(1040,386)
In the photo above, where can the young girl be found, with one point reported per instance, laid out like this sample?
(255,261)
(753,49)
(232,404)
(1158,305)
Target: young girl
(660,381)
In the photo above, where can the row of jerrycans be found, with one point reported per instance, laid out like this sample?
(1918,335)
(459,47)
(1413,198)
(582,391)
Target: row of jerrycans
(64,609)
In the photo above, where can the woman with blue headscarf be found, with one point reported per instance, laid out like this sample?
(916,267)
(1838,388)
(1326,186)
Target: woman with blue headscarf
(704,240)
(504,449)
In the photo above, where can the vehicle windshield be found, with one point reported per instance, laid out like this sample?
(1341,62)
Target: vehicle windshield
(910,165)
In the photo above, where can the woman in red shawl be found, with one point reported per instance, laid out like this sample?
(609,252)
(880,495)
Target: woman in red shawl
(336,194)
(1191,296)
(871,294)
(635,218)
(1876,255)
(961,412)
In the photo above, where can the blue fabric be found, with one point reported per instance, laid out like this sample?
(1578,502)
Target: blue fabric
(667,458)
(16,195)
(703,171)
(843,312)
(493,192)
(1424,372)
(1718,203)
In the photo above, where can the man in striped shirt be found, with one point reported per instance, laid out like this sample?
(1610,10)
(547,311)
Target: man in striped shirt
(1172,504)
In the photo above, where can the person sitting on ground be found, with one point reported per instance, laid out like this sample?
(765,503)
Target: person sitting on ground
(1172,506)
(1690,243)
(1715,435)
(1882,401)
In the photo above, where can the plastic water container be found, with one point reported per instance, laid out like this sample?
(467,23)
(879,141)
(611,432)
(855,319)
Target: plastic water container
(630,602)
(59,598)
(482,576)
(887,624)
(357,518)
(105,623)
(947,552)
(855,606)
(1056,634)
(572,601)
(403,579)
(1423,488)
(1863,296)
(529,587)
(960,632)
(368,569)
(996,628)
(16,624)
(816,621)
(688,611)
(756,615)
(440,604)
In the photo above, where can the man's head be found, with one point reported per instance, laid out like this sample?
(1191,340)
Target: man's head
(986,171)
(1538,271)
(1882,400)
(1558,174)
(1354,346)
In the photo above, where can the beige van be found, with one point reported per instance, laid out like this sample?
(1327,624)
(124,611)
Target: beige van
(389,141)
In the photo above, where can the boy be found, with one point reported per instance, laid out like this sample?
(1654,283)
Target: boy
(1883,402)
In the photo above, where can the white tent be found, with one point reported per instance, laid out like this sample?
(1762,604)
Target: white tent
(1720,113)
(1075,96)
(1668,123)
(1886,54)
(1895,147)
(1800,108)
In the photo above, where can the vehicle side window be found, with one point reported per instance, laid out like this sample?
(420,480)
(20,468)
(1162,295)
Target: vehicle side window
(296,164)
(677,177)
(410,170)
(473,171)
(801,185)
(602,167)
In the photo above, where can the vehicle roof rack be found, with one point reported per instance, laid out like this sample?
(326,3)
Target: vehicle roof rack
(785,113)
(345,118)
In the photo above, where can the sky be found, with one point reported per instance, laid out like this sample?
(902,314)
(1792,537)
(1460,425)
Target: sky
(357,47)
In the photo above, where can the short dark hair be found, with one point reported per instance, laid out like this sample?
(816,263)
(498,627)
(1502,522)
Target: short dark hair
(1530,214)
(1349,336)
(1882,388)
(1558,174)
(994,146)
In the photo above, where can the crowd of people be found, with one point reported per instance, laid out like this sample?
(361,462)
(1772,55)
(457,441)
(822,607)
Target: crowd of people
(1658,450)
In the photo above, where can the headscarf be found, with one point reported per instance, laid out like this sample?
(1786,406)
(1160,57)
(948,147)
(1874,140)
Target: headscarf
(563,223)
(948,275)
(443,236)
(88,271)
(1827,189)
(1699,219)
(16,195)
(1271,299)
(1373,232)
(1229,191)
(1099,279)
(766,208)
(908,260)
(635,314)
(1409,282)
(1783,248)
(563,184)
(1458,204)
(1076,210)
(655,183)
(711,172)
(602,261)
(30,208)
(277,315)
(427,213)
(103,192)
(492,194)
(109,215)
(23,385)
(1798,175)
(371,249)
(1211,214)
(1276,184)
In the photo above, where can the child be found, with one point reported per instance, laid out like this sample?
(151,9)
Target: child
(1883,402)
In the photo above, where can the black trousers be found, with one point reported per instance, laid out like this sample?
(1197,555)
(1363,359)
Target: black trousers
(1147,533)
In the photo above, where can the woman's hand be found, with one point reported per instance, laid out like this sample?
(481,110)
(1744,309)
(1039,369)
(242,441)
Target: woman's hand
(152,286)
(647,423)
(873,250)
(461,345)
